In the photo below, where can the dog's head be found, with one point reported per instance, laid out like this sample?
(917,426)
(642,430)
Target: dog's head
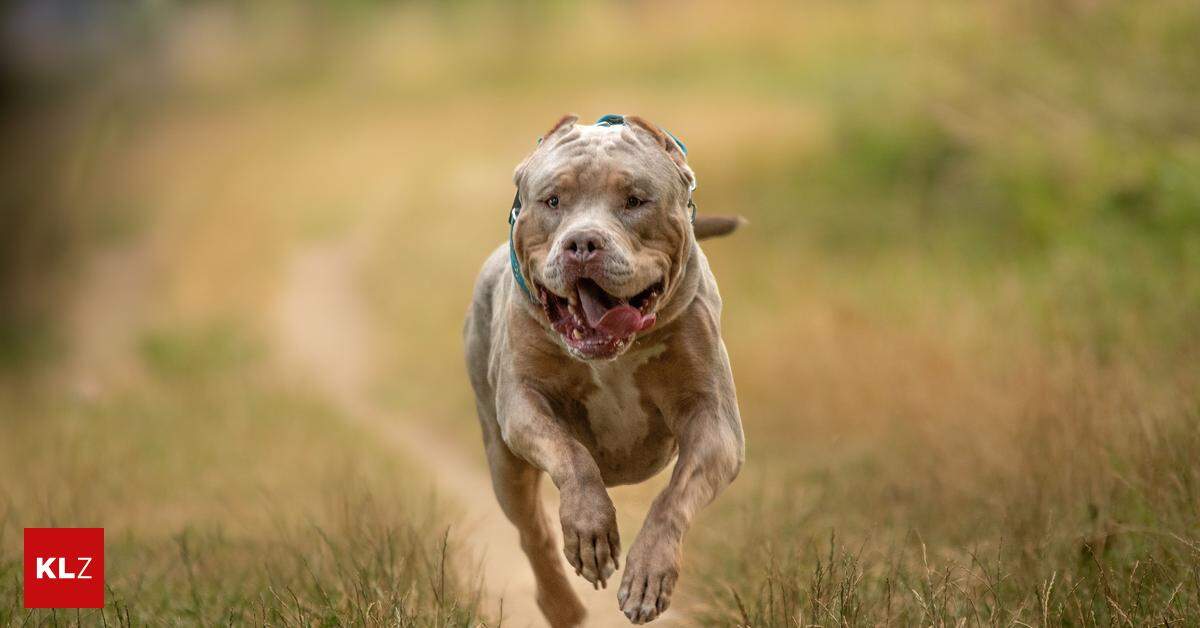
(604,232)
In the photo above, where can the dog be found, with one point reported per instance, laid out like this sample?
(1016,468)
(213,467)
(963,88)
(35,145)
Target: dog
(594,349)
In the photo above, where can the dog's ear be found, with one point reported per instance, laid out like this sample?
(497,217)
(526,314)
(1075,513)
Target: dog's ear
(668,143)
(564,123)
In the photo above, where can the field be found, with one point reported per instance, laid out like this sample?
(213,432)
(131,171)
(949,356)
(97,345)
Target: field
(237,243)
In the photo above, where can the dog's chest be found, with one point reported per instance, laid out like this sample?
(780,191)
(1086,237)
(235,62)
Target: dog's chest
(631,439)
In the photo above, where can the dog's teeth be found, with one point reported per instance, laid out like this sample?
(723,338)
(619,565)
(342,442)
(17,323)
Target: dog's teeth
(576,334)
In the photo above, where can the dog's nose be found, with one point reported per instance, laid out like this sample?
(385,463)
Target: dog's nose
(583,246)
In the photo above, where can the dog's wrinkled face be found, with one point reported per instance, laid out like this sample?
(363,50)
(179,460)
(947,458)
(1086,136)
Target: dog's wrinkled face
(604,231)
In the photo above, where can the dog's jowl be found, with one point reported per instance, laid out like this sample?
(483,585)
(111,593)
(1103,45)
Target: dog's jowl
(593,344)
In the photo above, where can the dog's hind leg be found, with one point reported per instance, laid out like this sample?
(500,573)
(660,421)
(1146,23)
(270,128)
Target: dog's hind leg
(516,484)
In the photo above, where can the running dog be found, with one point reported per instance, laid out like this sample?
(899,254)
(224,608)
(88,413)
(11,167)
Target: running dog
(594,348)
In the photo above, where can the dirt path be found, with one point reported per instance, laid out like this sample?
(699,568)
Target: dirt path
(103,318)
(326,333)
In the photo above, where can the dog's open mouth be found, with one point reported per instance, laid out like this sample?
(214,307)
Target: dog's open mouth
(595,323)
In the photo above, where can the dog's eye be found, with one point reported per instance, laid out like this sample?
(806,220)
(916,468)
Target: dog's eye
(552,201)
(633,202)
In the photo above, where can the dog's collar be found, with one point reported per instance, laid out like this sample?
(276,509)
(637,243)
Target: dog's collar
(512,251)
(611,119)
(616,119)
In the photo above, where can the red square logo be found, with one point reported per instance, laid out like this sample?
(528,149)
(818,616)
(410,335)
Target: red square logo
(64,567)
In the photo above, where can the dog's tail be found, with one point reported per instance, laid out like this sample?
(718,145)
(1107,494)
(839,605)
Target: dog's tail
(716,226)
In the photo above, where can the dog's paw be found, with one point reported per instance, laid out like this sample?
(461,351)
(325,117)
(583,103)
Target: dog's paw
(651,570)
(590,539)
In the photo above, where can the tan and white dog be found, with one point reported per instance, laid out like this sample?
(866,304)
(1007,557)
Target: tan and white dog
(596,357)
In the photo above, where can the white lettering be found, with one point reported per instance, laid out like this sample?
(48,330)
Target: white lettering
(86,563)
(63,574)
(43,568)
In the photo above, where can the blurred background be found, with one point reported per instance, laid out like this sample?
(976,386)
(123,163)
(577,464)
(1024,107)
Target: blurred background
(237,242)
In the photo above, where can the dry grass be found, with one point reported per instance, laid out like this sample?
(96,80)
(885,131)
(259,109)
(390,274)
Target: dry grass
(954,487)
(228,496)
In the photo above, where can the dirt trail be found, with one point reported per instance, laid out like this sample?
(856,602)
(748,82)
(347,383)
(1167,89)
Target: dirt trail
(103,318)
(326,333)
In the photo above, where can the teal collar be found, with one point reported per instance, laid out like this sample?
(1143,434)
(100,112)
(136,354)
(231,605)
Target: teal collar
(512,251)
(612,119)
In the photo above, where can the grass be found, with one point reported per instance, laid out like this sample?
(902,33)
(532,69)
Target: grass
(962,319)
(370,568)
(1079,530)
(228,495)
(991,413)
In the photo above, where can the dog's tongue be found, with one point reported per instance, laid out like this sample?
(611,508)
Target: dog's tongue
(618,321)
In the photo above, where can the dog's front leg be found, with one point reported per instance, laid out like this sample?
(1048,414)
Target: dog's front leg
(589,521)
(711,451)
